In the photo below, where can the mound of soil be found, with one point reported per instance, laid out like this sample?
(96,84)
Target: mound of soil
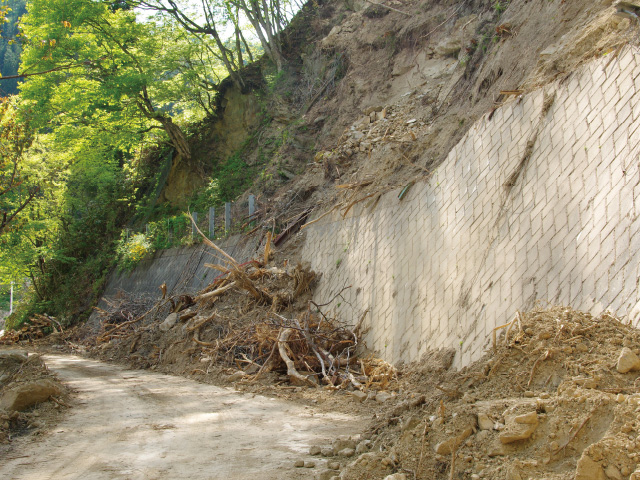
(549,401)
(31,398)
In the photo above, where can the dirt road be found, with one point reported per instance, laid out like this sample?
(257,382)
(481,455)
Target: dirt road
(142,425)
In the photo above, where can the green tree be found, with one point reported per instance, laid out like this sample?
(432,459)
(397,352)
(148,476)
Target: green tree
(89,63)
(18,187)
(10,47)
(213,17)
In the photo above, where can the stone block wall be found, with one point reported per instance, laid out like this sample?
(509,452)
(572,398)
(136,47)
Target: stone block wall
(183,269)
(539,201)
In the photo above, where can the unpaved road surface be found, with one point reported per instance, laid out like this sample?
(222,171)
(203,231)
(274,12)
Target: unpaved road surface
(139,425)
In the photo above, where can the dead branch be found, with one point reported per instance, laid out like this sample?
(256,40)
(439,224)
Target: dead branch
(282,349)
(215,293)
(209,243)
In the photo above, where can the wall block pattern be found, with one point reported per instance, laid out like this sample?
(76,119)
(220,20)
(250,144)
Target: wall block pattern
(539,201)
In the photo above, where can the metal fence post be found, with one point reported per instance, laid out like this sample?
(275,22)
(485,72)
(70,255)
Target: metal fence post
(227,217)
(212,222)
(252,205)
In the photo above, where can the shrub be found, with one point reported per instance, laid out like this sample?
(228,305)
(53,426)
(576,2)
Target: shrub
(132,250)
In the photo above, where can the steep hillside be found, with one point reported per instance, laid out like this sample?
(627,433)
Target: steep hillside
(375,96)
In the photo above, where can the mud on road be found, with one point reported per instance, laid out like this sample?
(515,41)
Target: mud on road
(141,425)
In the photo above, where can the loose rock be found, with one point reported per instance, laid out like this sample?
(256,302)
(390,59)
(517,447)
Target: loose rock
(359,396)
(446,447)
(327,452)
(347,452)
(342,442)
(315,450)
(169,322)
(484,422)
(588,469)
(382,397)
(627,361)
(519,428)
(29,394)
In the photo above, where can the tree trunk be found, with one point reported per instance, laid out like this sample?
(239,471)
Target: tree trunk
(176,136)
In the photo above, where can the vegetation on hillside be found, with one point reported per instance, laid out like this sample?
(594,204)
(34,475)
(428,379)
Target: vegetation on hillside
(109,88)
(10,49)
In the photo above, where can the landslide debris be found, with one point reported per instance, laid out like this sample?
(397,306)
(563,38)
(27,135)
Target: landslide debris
(255,323)
(550,401)
(30,396)
(413,77)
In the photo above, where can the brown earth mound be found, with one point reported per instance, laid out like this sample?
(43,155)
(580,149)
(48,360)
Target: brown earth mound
(30,396)
(557,397)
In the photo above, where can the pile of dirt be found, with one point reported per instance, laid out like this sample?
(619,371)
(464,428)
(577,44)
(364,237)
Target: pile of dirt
(30,396)
(558,397)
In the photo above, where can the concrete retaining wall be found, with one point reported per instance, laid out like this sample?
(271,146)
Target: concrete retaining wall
(182,269)
(540,200)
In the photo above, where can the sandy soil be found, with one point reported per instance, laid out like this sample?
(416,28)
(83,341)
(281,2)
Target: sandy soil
(142,425)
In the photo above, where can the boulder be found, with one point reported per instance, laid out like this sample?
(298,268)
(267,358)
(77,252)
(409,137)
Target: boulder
(327,452)
(12,356)
(449,47)
(484,422)
(342,442)
(28,394)
(374,109)
(613,473)
(359,396)
(448,446)
(315,450)
(237,376)
(382,397)
(347,452)
(363,446)
(326,474)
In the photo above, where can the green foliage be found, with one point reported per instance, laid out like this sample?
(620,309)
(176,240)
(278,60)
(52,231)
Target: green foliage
(500,6)
(103,88)
(10,47)
(170,232)
(5,297)
(233,177)
(132,249)
(76,134)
